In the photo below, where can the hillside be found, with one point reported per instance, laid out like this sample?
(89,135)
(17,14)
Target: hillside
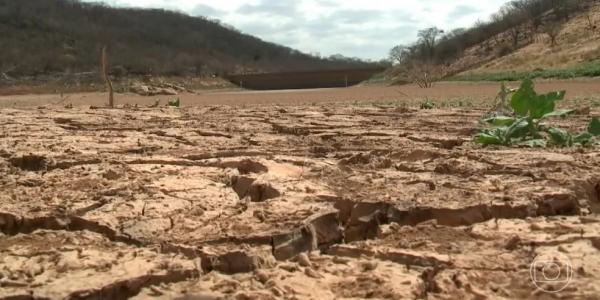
(549,38)
(57,36)
(577,48)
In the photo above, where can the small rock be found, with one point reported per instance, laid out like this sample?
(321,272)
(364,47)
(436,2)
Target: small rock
(369,266)
(62,267)
(513,243)
(312,273)
(289,267)
(596,242)
(261,276)
(111,175)
(270,283)
(276,292)
(303,260)
(260,215)
(340,260)
(156,291)
(583,111)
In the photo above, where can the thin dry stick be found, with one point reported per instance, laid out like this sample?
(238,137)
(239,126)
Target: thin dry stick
(111,99)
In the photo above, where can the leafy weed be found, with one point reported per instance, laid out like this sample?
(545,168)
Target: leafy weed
(525,125)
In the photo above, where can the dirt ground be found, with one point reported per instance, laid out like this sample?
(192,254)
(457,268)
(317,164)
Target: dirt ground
(287,201)
(444,91)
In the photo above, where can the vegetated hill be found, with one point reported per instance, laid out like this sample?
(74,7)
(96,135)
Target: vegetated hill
(51,36)
(575,52)
(551,38)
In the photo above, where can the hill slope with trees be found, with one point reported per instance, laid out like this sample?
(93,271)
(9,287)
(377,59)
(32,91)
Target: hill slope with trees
(551,38)
(53,36)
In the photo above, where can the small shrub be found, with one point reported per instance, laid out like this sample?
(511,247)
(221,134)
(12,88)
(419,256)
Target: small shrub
(428,104)
(174,103)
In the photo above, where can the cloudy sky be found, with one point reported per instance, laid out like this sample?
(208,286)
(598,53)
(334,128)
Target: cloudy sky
(360,28)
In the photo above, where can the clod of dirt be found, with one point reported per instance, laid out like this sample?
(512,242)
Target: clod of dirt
(449,144)
(246,166)
(256,190)
(262,276)
(357,159)
(319,231)
(30,162)
(312,273)
(513,243)
(111,175)
(583,111)
(596,242)
(234,262)
(303,260)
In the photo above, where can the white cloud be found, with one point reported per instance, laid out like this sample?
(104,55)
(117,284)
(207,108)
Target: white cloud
(366,29)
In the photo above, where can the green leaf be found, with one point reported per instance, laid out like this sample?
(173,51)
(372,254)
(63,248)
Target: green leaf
(544,104)
(500,121)
(518,129)
(560,137)
(583,138)
(488,139)
(522,97)
(558,113)
(526,101)
(537,143)
(594,127)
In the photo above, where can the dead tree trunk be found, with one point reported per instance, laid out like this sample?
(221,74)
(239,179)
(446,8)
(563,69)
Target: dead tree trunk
(109,85)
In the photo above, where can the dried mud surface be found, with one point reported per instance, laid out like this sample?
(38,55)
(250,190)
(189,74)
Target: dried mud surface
(297,202)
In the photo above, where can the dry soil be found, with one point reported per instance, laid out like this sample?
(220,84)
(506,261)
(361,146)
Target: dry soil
(285,201)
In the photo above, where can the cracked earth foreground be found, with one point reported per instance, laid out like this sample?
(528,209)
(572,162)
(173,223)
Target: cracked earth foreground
(298,202)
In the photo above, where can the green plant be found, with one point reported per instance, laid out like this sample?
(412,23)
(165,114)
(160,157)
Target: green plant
(174,103)
(428,104)
(525,126)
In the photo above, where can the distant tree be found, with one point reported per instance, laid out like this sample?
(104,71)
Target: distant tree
(399,54)
(563,9)
(512,19)
(552,29)
(591,23)
(427,39)
(532,12)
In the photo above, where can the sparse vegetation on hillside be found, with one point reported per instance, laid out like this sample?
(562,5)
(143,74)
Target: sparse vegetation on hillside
(53,36)
(518,23)
(587,69)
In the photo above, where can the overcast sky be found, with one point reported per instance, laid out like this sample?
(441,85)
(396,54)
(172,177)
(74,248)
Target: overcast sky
(360,28)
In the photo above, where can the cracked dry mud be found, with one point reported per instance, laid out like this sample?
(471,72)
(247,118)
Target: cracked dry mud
(313,202)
